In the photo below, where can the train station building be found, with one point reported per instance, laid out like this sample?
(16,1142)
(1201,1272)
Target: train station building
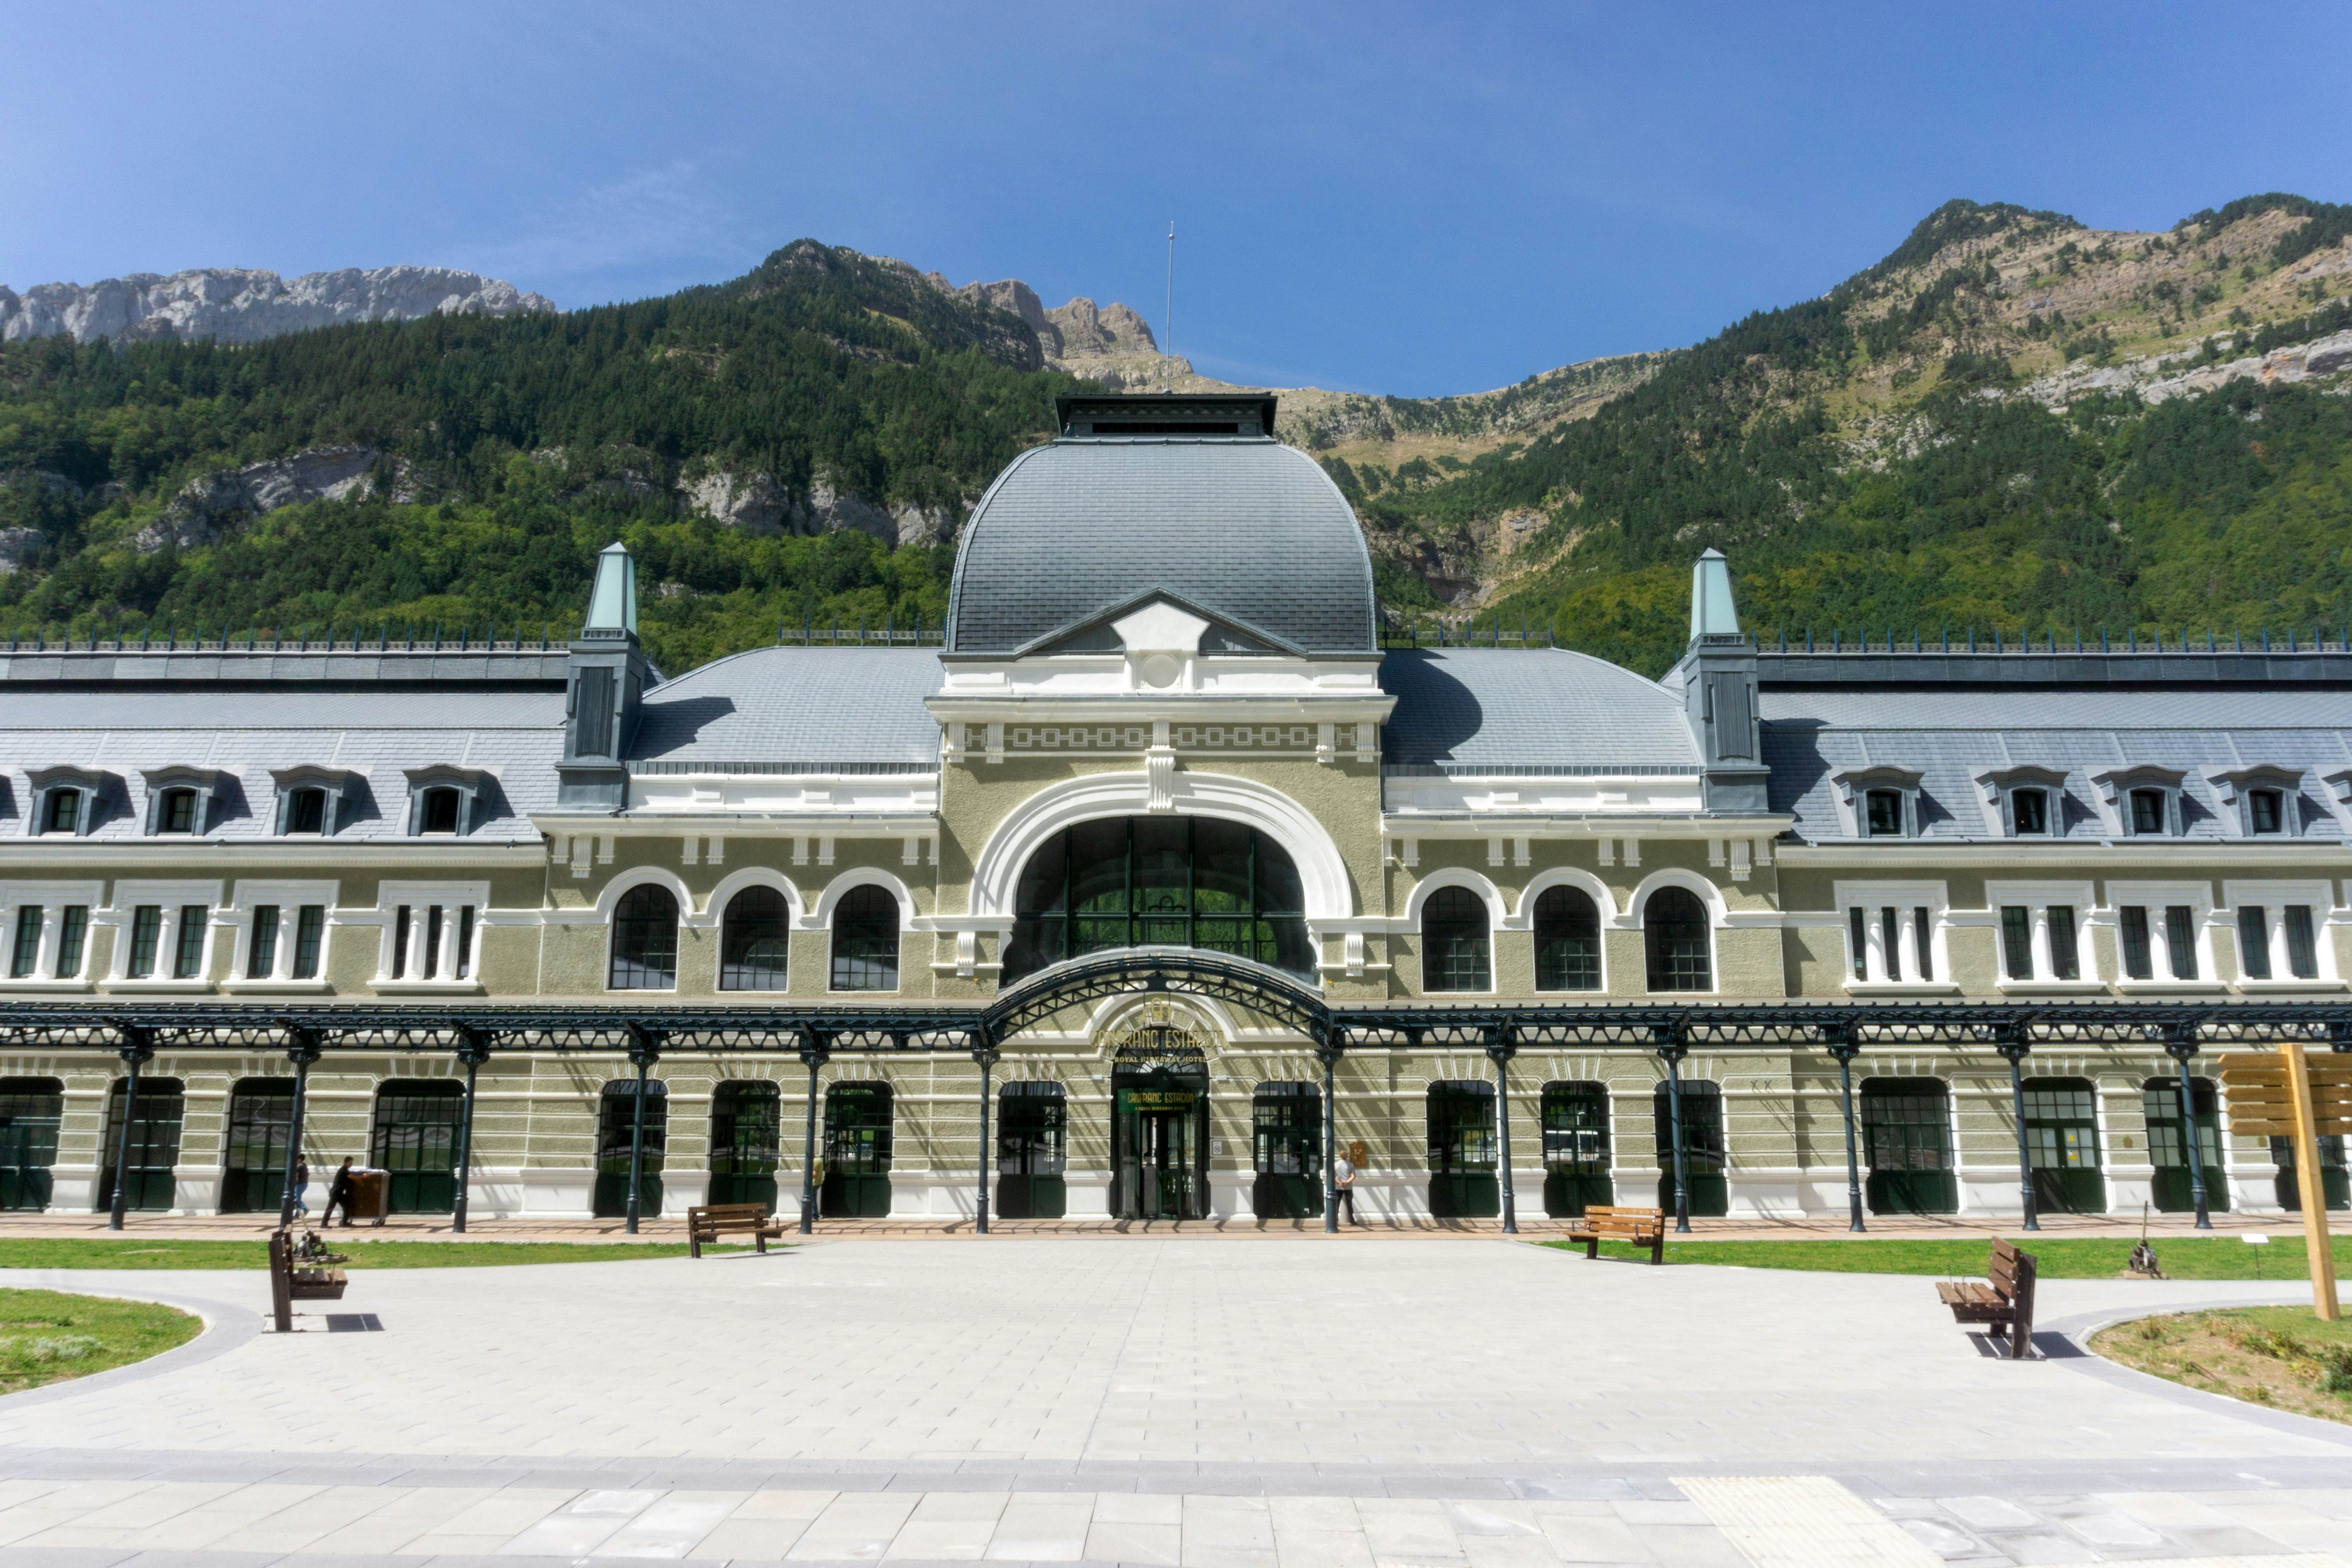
(1162,875)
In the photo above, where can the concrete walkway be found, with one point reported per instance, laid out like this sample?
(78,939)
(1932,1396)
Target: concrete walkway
(1291,1403)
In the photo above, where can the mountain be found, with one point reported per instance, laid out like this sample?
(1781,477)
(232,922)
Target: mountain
(2010,422)
(240,305)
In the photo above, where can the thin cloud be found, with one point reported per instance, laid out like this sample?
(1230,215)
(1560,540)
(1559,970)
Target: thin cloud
(665,215)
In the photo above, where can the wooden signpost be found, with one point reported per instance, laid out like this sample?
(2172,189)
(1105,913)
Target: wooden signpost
(2282,1096)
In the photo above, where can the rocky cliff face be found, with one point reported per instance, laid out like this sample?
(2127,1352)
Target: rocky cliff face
(1079,331)
(241,306)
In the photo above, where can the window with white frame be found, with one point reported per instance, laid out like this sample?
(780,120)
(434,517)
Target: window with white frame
(2160,932)
(1879,801)
(180,801)
(162,933)
(67,802)
(2140,802)
(2038,932)
(2259,801)
(2024,802)
(281,933)
(310,800)
(1893,933)
(2281,928)
(46,927)
(444,802)
(432,934)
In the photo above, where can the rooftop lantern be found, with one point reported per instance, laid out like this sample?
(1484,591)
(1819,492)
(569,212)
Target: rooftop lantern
(612,604)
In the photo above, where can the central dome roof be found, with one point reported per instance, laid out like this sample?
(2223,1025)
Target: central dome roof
(1237,526)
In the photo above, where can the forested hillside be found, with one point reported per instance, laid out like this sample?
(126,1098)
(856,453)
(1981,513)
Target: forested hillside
(2010,422)
(488,459)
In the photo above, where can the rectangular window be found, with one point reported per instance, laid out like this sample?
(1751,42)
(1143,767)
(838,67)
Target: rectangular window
(2132,921)
(1859,943)
(2147,813)
(400,943)
(188,949)
(2267,809)
(146,935)
(2017,941)
(309,925)
(262,963)
(2065,960)
(65,811)
(1924,940)
(2302,950)
(2253,942)
(27,955)
(465,942)
(432,942)
(1890,938)
(73,926)
(1885,814)
(2180,936)
(306,811)
(2030,809)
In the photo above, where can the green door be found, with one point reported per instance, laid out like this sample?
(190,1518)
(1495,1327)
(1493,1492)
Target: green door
(615,1123)
(2335,1190)
(2061,1143)
(416,1125)
(1906,1140)
(856,1151)
(745,1121)
(1031,1134)
(30,1111)
(1461,1168)
(2172,1190)
(1703,1148)
(1575,1149)
(260,1124)
(1287,1135)
(155,1143)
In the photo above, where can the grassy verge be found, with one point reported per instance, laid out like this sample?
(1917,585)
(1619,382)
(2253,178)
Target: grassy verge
(2280,1356)
(2068,1257)
(47,1336)
(139,1252)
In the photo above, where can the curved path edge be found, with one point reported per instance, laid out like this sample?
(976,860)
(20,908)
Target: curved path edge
(2078,1328)
(226,1327)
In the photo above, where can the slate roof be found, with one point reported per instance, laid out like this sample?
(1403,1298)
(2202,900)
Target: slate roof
(1542,708)
(794,709)
(1246,529)
(516,736)
(1811,734)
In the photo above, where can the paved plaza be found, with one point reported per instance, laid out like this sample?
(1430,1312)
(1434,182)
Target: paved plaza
(1476,1403)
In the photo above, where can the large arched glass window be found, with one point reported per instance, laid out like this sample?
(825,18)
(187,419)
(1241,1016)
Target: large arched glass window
(1568,941)
(1673,931)
(645,940)
(866,941)
(1454,943)
(754,938)
(1159,881)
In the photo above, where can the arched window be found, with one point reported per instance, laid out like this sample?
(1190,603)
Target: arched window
(438,811)
(1673,931)
(866,941)
(753,941)
(1454,946)
(1568,941)
(645,940)
(177,813)
(1159,881)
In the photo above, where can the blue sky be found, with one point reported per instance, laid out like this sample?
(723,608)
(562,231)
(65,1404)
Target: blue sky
(1411,199)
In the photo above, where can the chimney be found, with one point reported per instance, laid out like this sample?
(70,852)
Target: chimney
(1719,693)
(605,680)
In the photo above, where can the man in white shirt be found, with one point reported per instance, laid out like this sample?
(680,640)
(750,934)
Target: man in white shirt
(1343,1177)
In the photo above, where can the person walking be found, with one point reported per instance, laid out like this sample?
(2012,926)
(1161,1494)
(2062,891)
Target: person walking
(1343,1178)
(338,1192)
(301,1187)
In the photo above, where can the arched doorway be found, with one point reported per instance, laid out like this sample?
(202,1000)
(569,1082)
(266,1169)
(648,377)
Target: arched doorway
(857,1118)
(415,1138)
(1159,1117)
(260,1125)
(617,1122)
(153,1137)
(746,1117)
(31,1112)
(1031,1150)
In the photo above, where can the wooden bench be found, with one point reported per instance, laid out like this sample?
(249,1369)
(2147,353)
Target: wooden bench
(1643,1227)
(291,1282)
(2003,1299)
(709,1221)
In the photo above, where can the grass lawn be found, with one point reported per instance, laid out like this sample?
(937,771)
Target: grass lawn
(2067,1257)
(139,1252)
(2279,1356)
(47,1336)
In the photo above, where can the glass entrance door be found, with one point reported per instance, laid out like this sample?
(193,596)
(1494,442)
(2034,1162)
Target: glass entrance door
(1906,1131)
(415,1138)
(2061,1140)
(154,1141)
(2168,1151)
(260,1124)
(1160,1127)
(856,1151)
(1287,1130)
(31,1109)
(1704,1155)
(1032,1126)
(1462,1180)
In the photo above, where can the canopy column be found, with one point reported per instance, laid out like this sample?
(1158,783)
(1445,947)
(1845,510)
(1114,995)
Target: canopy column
(643,1053)
(301,1049)
(2012,1045)
(1672,1051)
(987,1057)
(2180,1044)
(813,1057)
(1329,1054)
(1843,1049)
(137,1047)
(473,1050)
(1501,1048)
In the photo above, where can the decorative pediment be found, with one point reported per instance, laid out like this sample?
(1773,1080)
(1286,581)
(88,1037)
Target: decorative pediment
(1156,622)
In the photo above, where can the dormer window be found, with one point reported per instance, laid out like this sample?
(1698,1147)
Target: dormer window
(2259,802)
(2146,812)
(310,801)
(444,802)
(1879,801)
(2139,801)
(65,801)
(2024,802)
(306,810)
(180,801)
